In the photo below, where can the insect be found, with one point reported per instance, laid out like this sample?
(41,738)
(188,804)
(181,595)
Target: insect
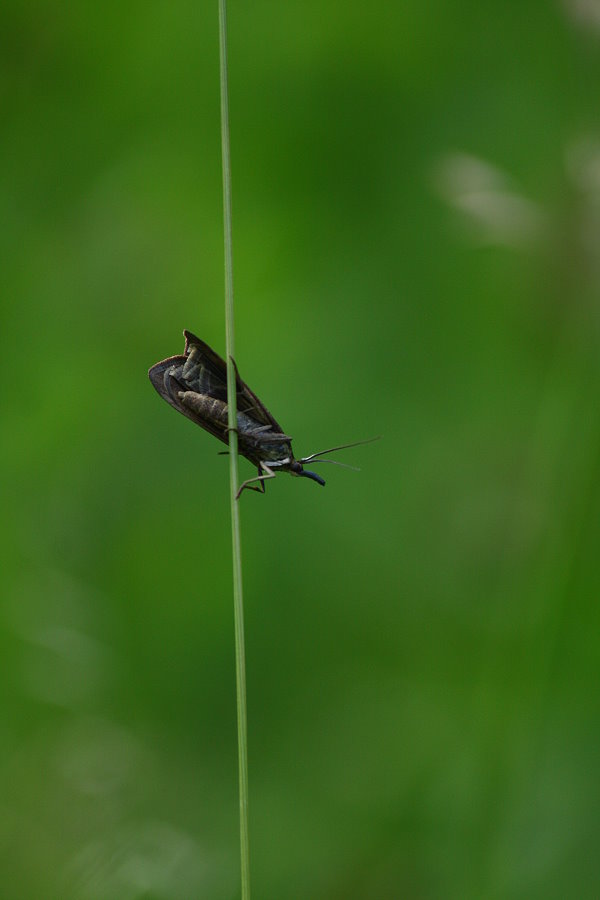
(195,384)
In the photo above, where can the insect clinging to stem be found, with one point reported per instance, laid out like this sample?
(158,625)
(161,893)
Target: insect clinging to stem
(195,384)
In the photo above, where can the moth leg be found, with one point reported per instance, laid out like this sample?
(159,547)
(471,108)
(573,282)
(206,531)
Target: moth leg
(251,487)
(261,484)
(260,489)
(261,478)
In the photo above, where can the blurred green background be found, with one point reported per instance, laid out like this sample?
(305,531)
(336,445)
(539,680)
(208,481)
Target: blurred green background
(416,245)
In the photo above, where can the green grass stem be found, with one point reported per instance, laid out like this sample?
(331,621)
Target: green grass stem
(233,465)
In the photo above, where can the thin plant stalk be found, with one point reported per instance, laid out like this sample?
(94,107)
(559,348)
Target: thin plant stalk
(233,465)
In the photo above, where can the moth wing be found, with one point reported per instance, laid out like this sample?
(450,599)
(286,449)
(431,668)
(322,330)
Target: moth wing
(164,379)
(203,371)
(162,385)
(247,401)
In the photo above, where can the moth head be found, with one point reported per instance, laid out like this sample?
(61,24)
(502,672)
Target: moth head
(296,468)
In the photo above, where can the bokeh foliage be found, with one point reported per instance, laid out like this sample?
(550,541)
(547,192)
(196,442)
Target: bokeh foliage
(416,235)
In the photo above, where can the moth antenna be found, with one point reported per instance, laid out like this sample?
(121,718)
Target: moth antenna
(334,462)
(341,447)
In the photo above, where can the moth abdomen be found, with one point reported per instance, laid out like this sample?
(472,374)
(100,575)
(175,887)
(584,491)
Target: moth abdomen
(205,406)
(215,411)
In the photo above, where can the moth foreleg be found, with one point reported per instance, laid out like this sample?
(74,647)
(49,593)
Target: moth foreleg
(260,478)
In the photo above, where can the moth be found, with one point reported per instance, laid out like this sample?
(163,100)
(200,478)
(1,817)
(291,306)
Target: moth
(195,384)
